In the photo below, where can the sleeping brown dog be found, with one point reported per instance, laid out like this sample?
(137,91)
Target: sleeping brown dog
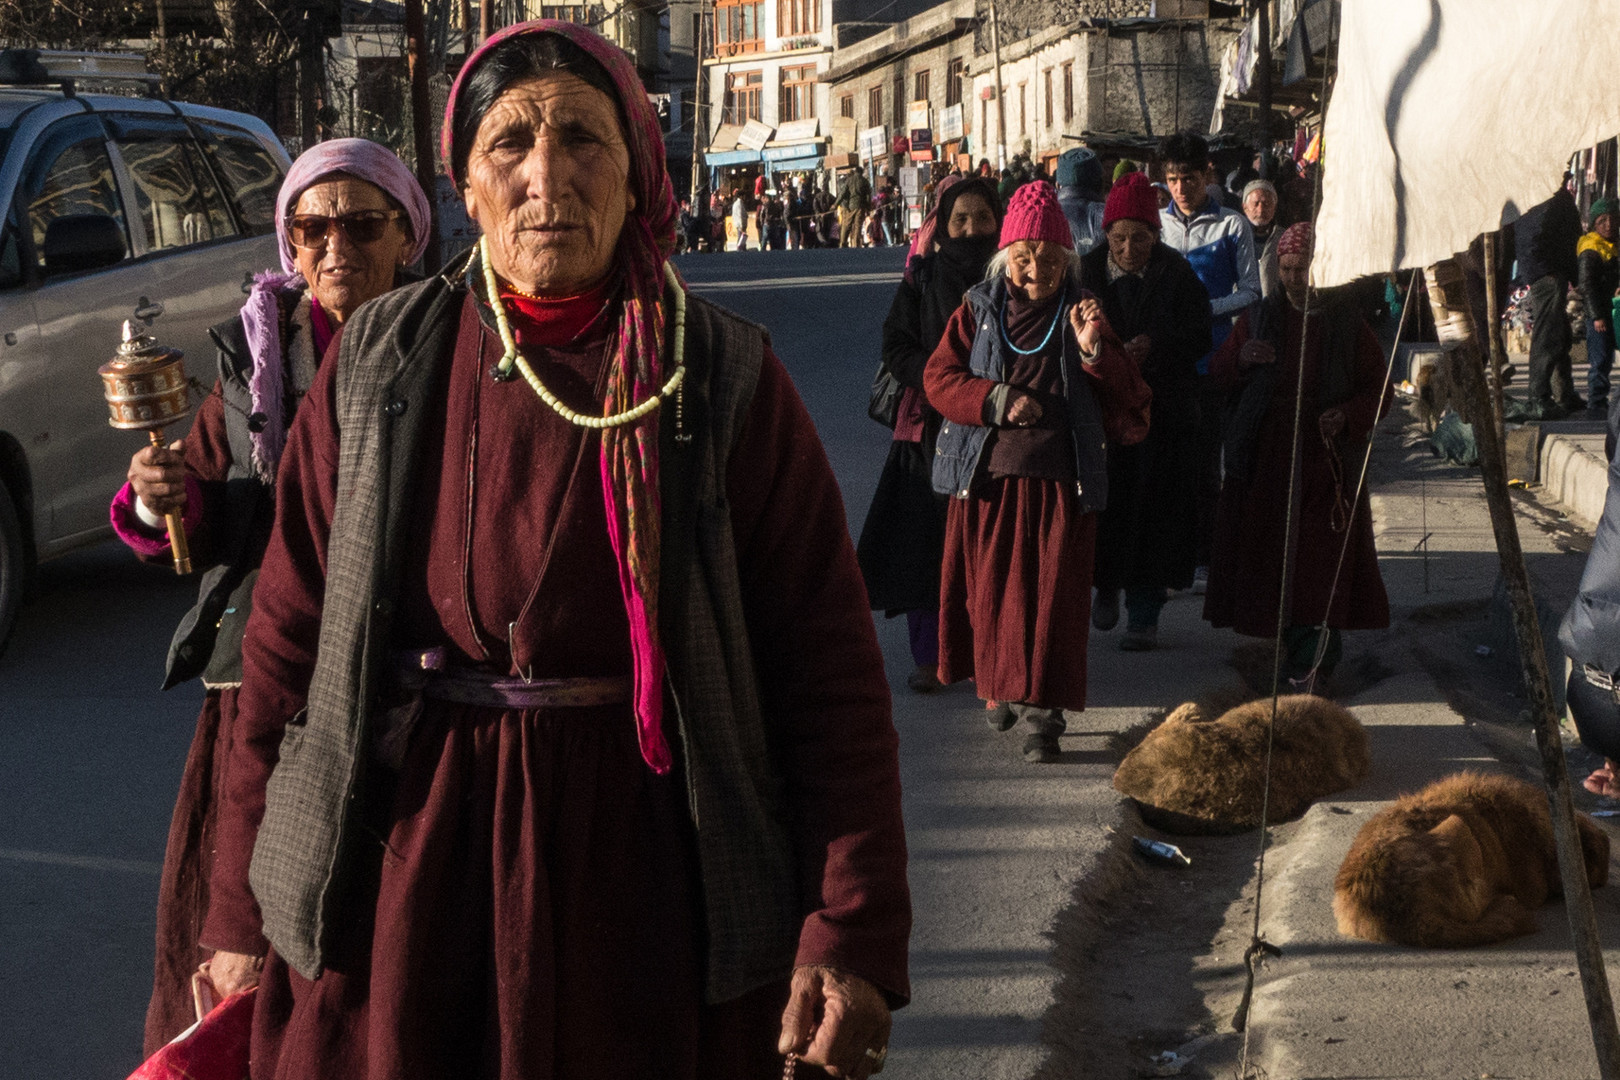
(1200,774)
(1465,861)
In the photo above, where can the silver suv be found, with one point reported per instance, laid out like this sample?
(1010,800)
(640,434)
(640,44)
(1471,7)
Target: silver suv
(115,208)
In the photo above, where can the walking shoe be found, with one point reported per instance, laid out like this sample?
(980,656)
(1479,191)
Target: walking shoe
(924,680)
(1105,609)
(1598,408)
(1573,403)
(1139,639)
(999,715)
(1200,581)
(1042,750)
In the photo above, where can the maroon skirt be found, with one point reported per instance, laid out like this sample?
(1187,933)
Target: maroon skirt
(1015,593)
(188,860)
(533,913)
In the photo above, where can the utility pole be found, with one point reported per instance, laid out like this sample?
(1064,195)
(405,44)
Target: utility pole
(700,101)
(1001,103)
(310,44)
(486,19)
(421,124)
(464,10)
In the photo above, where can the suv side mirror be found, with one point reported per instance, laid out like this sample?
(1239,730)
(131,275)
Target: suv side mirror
(78,242)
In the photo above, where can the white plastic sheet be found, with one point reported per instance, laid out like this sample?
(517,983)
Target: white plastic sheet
(1450,118)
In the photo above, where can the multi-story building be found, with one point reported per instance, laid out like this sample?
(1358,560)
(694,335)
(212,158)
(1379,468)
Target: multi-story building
(905,88)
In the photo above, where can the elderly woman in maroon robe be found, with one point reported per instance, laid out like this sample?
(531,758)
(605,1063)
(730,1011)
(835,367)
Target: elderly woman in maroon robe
(350,217)
(564,745)
(1032,384)
(1343,394)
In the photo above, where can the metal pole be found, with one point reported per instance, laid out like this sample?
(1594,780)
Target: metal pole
(700,101)
(1001,103)
(1455,325)
(421,124)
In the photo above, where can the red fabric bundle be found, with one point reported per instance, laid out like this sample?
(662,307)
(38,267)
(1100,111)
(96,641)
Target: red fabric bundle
(215,1048)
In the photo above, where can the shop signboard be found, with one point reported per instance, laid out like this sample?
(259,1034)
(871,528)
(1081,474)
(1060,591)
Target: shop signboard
(922,144)
(843,134)
(950,124)
(799,131)
(755,134)
(874,143)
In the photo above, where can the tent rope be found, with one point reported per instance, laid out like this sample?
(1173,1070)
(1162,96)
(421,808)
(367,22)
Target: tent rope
(1259,947)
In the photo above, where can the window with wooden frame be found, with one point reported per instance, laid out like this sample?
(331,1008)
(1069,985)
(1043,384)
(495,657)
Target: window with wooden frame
(1046,79)
(846,106)
(954,72)
(1068,92)
(797,100)
(1023,111)
(576,13)
(795,18)
(739,27)
(743,90)
(874,107)
(919,86)
(899,101)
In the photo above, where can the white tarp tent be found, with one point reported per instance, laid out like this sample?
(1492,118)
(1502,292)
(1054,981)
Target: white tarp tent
(1450,118)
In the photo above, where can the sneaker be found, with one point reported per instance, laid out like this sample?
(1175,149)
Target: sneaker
(999,715)
(1139,639)
(1200,583)
(1042,750)
(924,680)
(1105,609)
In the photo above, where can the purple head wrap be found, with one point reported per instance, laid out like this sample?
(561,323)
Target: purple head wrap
(629,454)
(363,160)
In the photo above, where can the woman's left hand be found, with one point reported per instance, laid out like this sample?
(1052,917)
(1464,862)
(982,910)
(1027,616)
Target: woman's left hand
(1332,423)
(1087,319)
(835,1020)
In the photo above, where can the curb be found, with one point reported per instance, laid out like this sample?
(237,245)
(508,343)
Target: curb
(1575,472)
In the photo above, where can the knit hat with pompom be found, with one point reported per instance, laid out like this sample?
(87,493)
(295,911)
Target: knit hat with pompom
(1034,214)
(1134,199)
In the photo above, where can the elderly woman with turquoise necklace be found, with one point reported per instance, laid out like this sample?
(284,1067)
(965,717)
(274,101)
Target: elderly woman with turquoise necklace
(564,746)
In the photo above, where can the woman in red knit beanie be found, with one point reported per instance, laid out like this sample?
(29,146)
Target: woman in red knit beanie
(1033,385)
(1160,309)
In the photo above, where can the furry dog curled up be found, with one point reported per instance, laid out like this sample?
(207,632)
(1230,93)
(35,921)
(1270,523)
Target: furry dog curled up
(1465,861)
(1200,774)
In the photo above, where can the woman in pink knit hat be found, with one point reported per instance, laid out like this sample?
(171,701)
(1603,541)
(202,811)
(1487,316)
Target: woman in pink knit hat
(1033,385)
(1146,539)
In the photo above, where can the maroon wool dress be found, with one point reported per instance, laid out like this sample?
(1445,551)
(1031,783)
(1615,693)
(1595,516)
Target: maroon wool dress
(1245,571)
(188,854)
(534,908)
(1015,588)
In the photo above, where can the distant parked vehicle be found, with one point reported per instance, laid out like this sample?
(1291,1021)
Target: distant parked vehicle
(115,208)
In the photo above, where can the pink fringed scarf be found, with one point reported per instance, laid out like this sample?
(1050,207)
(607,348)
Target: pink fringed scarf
(630,453)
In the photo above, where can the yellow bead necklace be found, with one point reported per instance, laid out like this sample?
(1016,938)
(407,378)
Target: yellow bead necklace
(512,356)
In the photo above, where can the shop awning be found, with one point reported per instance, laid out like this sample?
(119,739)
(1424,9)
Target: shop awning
(718,158)
(798,164)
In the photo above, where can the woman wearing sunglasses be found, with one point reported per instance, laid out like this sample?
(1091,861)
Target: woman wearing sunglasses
(350,218)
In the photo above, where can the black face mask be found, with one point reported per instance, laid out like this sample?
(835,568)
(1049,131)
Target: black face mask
(967,253)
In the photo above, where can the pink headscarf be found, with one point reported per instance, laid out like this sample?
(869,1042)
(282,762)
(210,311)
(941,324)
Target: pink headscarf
(629,454)
(363,160)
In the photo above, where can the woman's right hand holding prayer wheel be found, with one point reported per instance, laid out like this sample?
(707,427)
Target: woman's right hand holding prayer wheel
(158,477)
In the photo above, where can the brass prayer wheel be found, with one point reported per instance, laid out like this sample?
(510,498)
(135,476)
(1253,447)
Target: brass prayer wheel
(146,390)
(145,384)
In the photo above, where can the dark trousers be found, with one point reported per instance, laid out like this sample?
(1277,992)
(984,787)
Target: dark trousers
(1599,362)
(1211,400)
(1550,343)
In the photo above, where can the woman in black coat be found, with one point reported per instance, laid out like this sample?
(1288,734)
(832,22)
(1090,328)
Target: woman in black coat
(1156,303)
(903,541)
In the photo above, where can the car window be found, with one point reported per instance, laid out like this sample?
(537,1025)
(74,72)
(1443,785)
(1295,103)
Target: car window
(252,175)
(176,199)
(69,172)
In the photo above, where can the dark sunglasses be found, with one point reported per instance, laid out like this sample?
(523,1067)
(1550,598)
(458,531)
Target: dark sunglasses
(360,227)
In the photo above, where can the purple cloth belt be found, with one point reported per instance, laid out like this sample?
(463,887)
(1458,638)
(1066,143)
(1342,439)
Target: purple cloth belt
(428,673)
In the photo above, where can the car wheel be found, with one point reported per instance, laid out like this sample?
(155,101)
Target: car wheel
(13,564)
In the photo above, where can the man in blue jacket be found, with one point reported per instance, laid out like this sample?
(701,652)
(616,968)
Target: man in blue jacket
(1220,245)
(1545,239)
(1080,193)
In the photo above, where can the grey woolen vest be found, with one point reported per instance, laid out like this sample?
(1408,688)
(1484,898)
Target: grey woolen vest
(393,354)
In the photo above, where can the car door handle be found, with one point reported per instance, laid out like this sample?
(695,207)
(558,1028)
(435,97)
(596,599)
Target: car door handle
(147,310)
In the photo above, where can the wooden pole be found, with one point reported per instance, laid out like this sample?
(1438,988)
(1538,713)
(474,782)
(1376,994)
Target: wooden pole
(1454,323)
(486,19)
(1001,104)
(422,125)
(1262,68)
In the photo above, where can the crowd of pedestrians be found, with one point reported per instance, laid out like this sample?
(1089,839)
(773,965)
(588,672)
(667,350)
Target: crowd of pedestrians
(1099,412)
